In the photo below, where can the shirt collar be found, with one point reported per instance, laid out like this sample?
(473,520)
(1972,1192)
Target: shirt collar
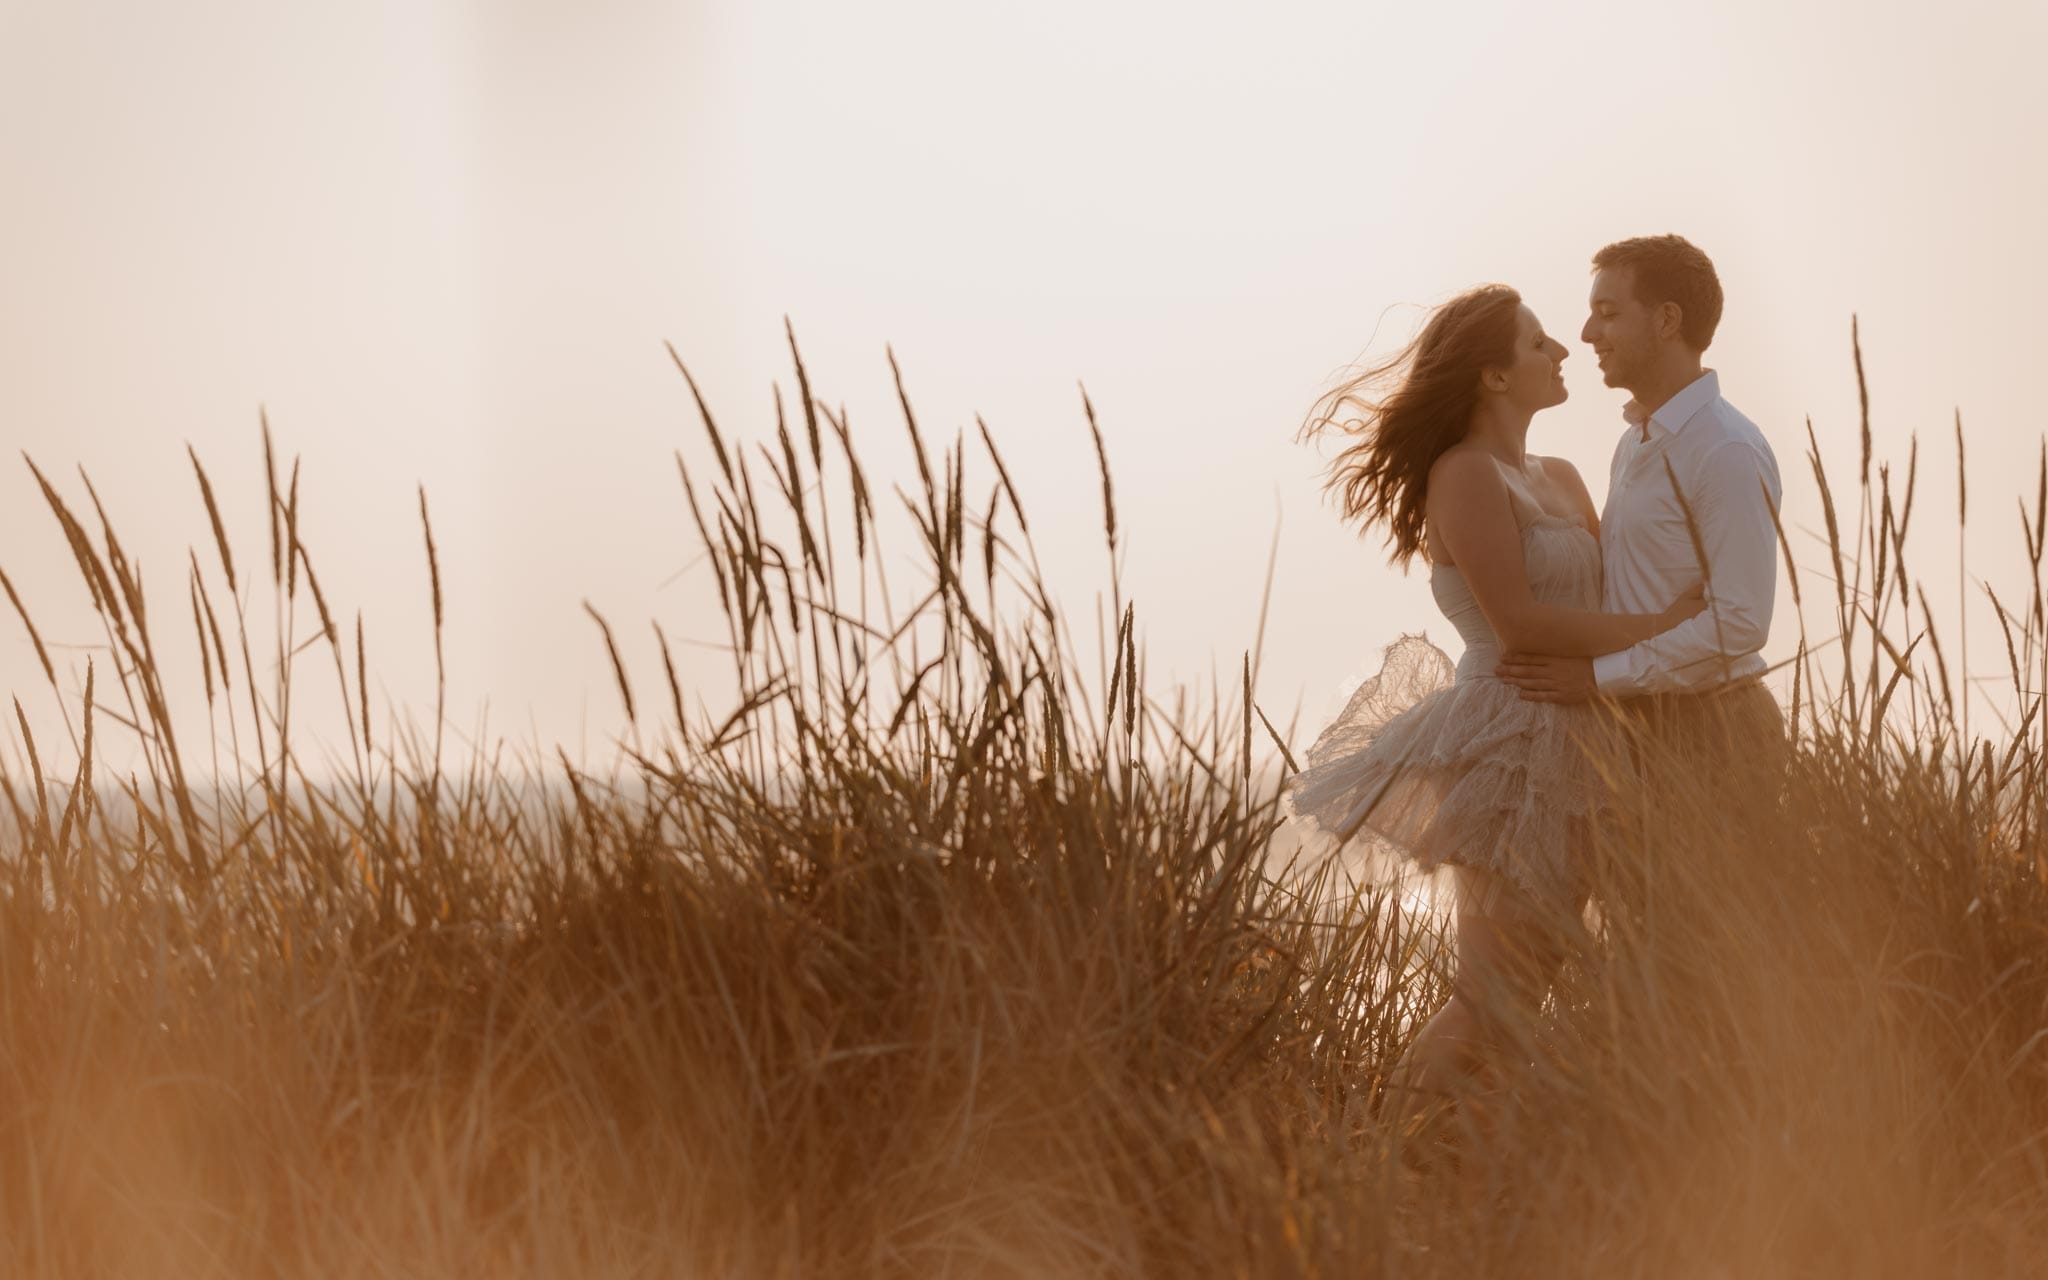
(1674,413)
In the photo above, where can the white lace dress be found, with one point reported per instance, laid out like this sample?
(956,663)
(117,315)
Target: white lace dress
(1449,765)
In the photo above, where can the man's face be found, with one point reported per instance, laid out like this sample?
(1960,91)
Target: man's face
(1620,329)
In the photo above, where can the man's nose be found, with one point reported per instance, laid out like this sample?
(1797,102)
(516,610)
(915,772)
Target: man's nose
(1586,331)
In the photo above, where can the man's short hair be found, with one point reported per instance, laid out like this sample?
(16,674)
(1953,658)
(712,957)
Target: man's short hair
(1671,269)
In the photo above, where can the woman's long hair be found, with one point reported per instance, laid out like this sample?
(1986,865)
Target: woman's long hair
(1382,475)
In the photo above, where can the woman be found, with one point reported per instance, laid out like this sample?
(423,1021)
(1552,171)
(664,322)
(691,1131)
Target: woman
(1466,773)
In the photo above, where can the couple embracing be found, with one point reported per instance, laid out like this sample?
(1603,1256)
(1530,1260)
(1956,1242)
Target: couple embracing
(1629,632)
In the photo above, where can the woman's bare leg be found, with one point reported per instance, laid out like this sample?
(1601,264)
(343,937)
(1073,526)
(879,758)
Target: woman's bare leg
(1509,951)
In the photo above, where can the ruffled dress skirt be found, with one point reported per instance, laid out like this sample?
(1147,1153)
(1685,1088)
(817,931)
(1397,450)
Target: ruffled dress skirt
(1429,769)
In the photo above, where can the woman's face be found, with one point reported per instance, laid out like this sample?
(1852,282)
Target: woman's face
(1534,379)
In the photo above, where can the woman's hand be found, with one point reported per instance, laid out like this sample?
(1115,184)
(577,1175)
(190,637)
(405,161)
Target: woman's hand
(1690,605)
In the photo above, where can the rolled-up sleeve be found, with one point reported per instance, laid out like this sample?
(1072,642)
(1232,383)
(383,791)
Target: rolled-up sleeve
(1732,493)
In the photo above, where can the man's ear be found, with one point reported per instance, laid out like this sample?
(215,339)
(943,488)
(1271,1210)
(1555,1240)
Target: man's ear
(1670,319)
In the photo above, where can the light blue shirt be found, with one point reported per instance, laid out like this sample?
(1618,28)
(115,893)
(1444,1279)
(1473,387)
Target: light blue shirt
(1727,479)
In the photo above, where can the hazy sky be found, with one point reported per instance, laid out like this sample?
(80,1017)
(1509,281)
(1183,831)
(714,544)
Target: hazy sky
(443,244)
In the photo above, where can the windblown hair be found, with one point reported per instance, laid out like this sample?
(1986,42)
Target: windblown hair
(1671,269)
(1406,410)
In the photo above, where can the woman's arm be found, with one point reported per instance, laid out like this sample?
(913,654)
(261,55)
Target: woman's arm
(1469,505)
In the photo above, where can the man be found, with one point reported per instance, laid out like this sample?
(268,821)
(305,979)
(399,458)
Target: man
(1690,498)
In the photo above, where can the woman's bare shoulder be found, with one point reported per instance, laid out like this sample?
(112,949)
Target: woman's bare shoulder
(1562,470)
(1464,464)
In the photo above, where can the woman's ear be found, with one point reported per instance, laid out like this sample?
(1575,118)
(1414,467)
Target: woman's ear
(1493,380)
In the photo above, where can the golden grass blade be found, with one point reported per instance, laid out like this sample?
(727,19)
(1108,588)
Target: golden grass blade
(1003,474)
(1117,673)
(271,498)
(220,537)
(21,611)
(2011,656)
(704,533)
(440,658)
(327,627)
(611,648)
(291,534)
(1784,544)
(1699,551)
(803,384)
(88,560)
(1827,501)
(675,688)
(220,650)
(1883,539)
(1278,741)
(704,412)
(1940,662)
(199,630)
(1862,397)
(1900,671)
(79,803)
(30,868)
(35,770)
(1246,753)
(863,506)
(363,681)
(917,449)
(2040,538)
(1912,481)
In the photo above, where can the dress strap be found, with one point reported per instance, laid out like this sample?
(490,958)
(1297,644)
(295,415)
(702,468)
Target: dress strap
(1526,509)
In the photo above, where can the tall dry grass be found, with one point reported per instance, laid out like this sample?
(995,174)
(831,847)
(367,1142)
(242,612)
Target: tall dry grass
(933,955)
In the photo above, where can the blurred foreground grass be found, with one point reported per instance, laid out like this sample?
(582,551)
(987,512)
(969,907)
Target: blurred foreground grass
(932,956)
